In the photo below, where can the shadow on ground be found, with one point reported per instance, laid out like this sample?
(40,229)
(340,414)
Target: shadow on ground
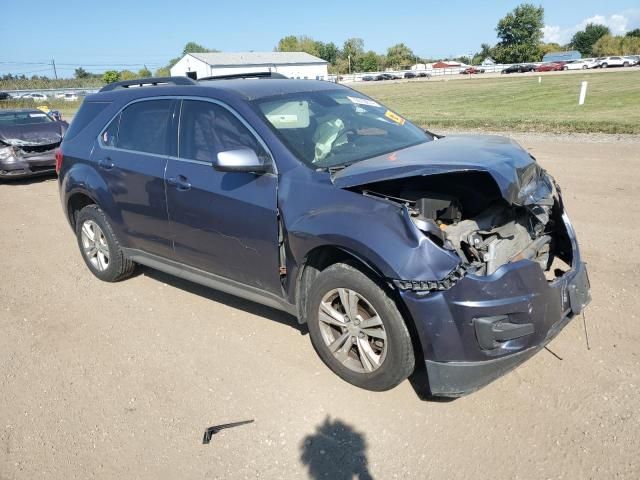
(335,451)
(226,299)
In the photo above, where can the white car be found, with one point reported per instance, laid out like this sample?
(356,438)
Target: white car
(582,64)
(35,96)
(70,97)
(633,59)
(606,62)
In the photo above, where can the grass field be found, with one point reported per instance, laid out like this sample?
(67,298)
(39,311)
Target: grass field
(513,103)
(68,109)
(519,103)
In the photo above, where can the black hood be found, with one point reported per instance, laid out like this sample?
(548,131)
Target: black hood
(32,135)
(520,179)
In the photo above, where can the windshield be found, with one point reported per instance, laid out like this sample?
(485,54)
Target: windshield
(24,118)
(338,127)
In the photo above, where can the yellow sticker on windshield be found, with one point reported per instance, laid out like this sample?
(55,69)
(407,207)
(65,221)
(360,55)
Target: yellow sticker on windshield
(394,117)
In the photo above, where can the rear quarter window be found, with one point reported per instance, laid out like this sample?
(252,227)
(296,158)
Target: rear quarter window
(88,111)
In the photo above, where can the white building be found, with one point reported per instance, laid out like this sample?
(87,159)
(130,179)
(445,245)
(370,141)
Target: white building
(289,64)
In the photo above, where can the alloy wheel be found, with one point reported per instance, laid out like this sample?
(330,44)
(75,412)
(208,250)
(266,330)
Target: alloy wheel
(94,245)
(352,330)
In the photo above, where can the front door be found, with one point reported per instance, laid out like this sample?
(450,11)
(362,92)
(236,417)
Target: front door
(222,222)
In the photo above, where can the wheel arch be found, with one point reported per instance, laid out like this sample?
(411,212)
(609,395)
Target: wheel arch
(322,257)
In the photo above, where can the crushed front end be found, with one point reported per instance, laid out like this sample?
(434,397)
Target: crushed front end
(520,278)
(520,281)
(25,160)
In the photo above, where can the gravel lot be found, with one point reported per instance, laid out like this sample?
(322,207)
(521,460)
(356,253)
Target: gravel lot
(120,380)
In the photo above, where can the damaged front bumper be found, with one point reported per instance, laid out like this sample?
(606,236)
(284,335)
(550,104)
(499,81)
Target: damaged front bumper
(20,164)
(484,326)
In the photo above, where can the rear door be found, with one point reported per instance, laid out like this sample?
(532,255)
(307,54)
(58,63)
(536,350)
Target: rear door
(132,156)
(222,222)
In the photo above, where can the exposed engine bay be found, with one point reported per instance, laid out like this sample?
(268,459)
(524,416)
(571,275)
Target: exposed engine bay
(465,213)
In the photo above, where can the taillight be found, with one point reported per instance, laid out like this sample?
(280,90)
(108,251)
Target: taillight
(58,160)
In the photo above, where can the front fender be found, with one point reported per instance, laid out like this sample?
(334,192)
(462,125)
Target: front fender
(380,232)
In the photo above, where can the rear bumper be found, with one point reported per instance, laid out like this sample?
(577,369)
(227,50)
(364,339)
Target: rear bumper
(452,324)
(29,165)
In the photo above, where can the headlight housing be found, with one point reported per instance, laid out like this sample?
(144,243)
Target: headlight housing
(7,153)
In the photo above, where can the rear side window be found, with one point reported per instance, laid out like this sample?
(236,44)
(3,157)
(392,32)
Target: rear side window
(144,127)
(88,111)
(207,128)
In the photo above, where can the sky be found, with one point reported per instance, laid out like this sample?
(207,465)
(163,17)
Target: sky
(116,34)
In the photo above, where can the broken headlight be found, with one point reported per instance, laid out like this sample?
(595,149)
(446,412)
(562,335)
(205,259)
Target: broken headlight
(7,153)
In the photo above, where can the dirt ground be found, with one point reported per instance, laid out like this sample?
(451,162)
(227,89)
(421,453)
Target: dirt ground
(120,380)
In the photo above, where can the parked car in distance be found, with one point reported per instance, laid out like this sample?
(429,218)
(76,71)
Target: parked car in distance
(391,244)
(634,60)
(34,96)
(549,67)
(472,71)
(28,140)
(5,96)
(386,76)
(70,97)
(583,64)
(424,75)
(608,62)
(519,68)
(410,75)
(368,78)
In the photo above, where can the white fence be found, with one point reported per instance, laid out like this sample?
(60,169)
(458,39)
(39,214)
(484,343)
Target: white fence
(53,92)
(433,72)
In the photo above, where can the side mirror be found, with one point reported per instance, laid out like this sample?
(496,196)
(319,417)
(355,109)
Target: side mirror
(240,160)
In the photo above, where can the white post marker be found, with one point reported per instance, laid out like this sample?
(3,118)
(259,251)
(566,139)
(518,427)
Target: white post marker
(583,93)
(539,79)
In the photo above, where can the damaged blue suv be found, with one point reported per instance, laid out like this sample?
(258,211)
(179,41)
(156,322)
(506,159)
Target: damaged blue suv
(394,245)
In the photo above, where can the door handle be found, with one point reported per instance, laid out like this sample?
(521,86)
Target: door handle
(180,182)
(106,164)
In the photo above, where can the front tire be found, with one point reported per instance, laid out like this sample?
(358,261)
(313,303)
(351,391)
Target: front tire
(99,246)
(357,329)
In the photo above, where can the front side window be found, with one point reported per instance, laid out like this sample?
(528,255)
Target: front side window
(207,128)
(144,127)
(337,127)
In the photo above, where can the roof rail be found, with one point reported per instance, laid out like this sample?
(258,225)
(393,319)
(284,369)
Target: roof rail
(231,76)
(140,82)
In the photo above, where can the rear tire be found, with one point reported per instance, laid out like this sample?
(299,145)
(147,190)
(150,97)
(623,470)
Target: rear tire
(99,246)
(357,329)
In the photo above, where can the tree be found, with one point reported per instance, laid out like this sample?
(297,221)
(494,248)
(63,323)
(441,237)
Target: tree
(144,72)
(520,35)
(193,47)
(400,56)
(288,44)
(353,47)
(369,62)
(486,51)
(81,73)
(584,40)
(127,75)
(549,48)
(633,33)
(609,45)
(110,76)
(329,52)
